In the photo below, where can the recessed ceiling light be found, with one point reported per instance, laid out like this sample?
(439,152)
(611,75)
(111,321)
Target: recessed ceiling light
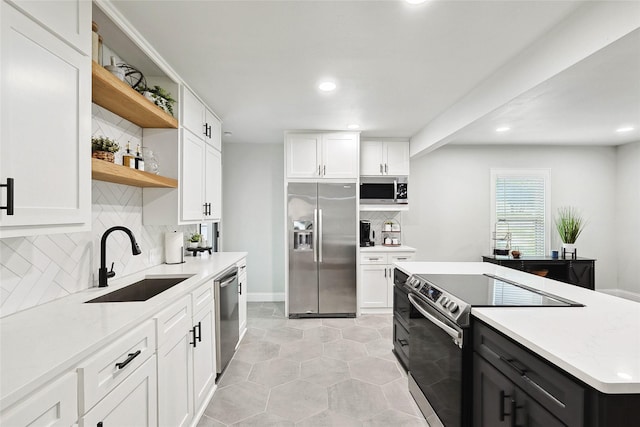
(625,129)
(353,126)
(327,86)
(415,1)
(503,129)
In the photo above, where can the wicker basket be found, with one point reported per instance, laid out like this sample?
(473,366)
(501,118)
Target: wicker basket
(103,155)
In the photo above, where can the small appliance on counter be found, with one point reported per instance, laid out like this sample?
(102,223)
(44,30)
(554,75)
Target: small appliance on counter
(367,235)
(174,247)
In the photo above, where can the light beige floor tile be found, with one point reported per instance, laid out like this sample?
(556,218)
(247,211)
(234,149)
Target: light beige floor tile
(345,350)
(274,372)
(329,418)
(325,371)
(357,399)
(374,370)
(322,334)
(395,418)
(297,400)
(301,350)
(238,402)
(257,352)
(265,419)
(361,334)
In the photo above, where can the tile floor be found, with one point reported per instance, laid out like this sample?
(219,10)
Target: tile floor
(313,372)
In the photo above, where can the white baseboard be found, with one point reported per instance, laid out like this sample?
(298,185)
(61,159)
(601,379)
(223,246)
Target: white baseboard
(265,297)
(633,296)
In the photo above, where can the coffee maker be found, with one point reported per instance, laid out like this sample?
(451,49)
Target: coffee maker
(366,234)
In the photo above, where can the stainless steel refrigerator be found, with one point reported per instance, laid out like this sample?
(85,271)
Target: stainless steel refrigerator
(321,235)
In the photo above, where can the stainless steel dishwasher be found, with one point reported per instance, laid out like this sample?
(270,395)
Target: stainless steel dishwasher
(227,317)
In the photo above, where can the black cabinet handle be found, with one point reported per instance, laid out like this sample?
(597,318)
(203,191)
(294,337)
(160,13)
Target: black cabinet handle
(9,206)
(504,396)
(128,360)
(199,325)
(205,129)
(193,331)
(99,424)
(240,288)
(209,208)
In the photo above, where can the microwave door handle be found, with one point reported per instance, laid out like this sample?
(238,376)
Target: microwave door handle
(395,191)
(456,335)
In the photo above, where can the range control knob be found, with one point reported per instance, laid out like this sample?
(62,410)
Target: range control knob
(444,301)
(453,307)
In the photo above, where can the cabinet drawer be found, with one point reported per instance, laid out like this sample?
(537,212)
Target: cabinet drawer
(172,322)
(374,258)
(401,342)
(55,404)
(202,297)
(551,387)
(401,257)
(102,372)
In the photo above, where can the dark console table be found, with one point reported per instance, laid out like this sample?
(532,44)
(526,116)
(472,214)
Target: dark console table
(579,271)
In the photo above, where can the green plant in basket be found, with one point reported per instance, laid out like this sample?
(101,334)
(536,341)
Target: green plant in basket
(195,238)
(569,224)
(102,143)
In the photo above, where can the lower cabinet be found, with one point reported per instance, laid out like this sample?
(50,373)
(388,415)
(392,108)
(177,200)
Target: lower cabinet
(376,278)
(186,358)
(54,405)
(242,299)
(132,403)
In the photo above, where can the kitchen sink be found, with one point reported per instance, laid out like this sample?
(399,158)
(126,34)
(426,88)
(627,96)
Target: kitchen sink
(140,291)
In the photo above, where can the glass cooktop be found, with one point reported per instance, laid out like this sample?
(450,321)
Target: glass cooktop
(492,291)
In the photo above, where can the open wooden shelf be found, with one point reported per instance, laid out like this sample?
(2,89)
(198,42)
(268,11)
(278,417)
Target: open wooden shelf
(102,170)
(116,96)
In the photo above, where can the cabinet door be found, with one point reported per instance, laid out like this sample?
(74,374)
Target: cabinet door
(204,356)
(192,113)
(493,396)
(45,129)
(302,155)
(214,135)
(213,184)
(374,286)
(396,158)
(70,19)
(242,299)
(132,403)
(530,413)
(192,183)
(52,406)
(340,155)
(371,158)
(175,381)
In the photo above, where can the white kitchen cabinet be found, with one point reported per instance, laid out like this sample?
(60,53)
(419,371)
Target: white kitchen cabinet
(322,155)
(45,128)
(175,364)
(213,184)
(242,290)
(69,19)
(200,120)
(198,168)
(54,405)
(132,403)
(376,278)
(384,158)
(186,357)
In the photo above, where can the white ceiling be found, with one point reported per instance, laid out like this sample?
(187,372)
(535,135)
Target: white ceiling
(397,66)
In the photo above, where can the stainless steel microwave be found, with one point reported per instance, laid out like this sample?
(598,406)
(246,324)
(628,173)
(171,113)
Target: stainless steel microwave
(384,190)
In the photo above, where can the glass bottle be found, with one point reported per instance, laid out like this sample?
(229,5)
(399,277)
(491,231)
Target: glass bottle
(150,161)
(128,159)
(139,159)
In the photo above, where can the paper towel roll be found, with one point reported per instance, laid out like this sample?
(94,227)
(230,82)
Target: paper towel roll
(174,247)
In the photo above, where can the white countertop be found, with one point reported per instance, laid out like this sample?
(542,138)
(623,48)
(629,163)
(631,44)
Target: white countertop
(42,342)
(598,344)
(382,248)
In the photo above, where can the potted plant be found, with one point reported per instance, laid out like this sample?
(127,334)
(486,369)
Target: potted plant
(194,240)
(569,224)
(103,148)
(160,97)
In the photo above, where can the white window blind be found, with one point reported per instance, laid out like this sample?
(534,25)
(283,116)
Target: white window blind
(520,208)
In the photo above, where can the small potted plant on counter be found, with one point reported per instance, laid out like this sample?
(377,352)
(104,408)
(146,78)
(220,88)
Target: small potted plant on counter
(103,148)
(194,240)
(569,224)
(160,97)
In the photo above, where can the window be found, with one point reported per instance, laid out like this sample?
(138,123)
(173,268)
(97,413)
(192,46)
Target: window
(519,205)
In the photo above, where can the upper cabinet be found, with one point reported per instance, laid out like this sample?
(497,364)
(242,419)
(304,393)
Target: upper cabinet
(69,19)
(200,120)
(45,127)
(322,155)
(384,158)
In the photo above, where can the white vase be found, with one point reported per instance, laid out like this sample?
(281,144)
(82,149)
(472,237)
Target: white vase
(569,248)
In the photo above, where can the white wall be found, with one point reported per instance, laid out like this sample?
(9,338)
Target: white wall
(253,212)
(449,191)
(628,217)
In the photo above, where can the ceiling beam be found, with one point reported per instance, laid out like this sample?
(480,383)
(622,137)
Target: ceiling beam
(590,28)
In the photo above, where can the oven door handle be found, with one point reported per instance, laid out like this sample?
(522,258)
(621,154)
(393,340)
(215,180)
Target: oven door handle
(453,333)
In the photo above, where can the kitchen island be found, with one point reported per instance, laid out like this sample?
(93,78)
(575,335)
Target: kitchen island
(597,345)
(43,343)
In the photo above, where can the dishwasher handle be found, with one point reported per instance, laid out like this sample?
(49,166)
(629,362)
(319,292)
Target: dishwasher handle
(227,282)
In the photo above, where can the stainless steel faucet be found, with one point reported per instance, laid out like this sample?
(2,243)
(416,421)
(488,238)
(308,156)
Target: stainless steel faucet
(103,274)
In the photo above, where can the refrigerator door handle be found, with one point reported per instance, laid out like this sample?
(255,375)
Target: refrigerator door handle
(320,235)
(315,235)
